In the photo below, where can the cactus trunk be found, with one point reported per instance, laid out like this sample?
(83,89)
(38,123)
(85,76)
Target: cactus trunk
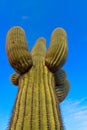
(36,104)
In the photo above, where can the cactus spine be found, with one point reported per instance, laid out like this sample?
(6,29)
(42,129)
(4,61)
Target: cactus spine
(41,82)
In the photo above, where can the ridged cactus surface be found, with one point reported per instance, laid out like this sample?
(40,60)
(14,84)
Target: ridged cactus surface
(17,50)
(42,83)
(57,52)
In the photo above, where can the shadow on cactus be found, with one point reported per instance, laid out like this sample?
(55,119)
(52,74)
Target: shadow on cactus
(42,81)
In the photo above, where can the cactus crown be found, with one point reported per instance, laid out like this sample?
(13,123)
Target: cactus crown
(22,60)
(39,49)
(20,57)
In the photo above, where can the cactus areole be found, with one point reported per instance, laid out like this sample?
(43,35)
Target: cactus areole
(42,81)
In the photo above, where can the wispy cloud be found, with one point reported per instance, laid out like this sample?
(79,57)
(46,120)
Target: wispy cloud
(74,114)
(25,17)
(4,123)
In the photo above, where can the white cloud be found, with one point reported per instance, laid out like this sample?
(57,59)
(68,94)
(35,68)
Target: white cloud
(74,114)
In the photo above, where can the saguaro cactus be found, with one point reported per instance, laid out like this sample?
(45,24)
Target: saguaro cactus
(42,83)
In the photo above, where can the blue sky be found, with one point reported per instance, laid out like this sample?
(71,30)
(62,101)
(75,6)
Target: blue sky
(40,18)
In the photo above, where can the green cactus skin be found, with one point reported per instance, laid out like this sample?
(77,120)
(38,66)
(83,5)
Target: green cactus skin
(62,90)
(17,50)
(57,52)
(37,103)
(60,77)
(62,85)
(15,78)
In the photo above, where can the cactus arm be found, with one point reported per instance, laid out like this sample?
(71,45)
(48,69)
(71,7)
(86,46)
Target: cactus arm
(62,90)
(14,78)
(61,84)
(57,52)
(60,77)
(17,50)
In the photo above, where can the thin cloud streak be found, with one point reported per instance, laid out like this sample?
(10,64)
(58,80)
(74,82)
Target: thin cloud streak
(74,114)
(25,17)
(4,123)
